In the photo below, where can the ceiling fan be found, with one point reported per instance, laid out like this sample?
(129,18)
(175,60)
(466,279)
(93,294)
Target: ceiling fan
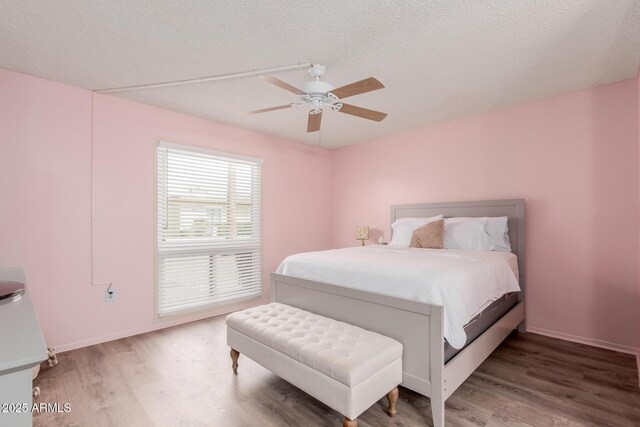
(321,95)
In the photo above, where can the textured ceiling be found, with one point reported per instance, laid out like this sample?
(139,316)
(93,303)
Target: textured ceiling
(439,60)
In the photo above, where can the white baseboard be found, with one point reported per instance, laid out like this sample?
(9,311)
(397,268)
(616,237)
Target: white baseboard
(588,341)
(156,326)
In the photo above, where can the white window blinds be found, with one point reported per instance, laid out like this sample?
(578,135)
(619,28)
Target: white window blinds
(209,238)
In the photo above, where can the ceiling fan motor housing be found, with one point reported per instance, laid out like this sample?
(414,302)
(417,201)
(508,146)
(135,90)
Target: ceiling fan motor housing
(317,93)
(316,87)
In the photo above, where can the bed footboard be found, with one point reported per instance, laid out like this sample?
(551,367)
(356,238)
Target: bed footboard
(419,327)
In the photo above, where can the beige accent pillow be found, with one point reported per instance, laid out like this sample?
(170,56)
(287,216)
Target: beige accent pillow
(429,236)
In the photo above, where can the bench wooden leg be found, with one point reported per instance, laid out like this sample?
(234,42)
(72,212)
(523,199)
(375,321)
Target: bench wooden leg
(392,397)
(349,423)
(234,361)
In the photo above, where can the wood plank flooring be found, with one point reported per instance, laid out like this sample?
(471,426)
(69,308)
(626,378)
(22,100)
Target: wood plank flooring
(182,376)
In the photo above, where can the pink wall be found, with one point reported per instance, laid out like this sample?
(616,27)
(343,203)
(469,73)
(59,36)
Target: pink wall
(574,158)
(45,198)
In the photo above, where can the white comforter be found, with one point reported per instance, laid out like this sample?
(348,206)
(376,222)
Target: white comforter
(463,281)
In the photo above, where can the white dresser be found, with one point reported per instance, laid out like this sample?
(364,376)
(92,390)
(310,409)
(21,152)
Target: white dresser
(22,347)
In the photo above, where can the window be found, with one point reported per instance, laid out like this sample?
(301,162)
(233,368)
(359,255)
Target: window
(209,240)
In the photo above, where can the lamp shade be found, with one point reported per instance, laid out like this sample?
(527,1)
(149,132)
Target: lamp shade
(362,232)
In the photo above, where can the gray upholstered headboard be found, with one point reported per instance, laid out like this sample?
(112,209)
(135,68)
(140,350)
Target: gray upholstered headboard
(514,209)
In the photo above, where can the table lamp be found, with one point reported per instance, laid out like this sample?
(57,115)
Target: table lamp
(362,233)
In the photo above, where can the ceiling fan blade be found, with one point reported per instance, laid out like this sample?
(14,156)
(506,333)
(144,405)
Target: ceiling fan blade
(313,124)
(281,84)
(362,86)
(365,113)
(264,110)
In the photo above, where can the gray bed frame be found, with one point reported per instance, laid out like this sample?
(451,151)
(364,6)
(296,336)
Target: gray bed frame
(418,326)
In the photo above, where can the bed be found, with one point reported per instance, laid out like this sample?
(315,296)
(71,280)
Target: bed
(431,366)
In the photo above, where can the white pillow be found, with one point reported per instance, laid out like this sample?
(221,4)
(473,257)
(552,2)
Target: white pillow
(498,231)
(481,233)
(466,233)
(403,229)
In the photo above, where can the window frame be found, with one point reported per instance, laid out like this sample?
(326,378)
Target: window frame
(213,308)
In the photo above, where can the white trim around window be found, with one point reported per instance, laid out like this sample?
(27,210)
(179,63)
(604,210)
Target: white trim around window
(208,229)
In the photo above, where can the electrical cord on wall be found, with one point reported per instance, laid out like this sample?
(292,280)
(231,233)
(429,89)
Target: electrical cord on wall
(93,95)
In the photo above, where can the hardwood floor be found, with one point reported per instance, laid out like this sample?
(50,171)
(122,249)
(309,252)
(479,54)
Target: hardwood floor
(182,377)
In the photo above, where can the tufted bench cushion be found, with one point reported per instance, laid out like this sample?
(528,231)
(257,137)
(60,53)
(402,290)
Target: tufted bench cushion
(339,350)
(346,367)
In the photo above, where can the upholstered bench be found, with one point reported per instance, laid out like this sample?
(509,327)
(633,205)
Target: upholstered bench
(345,367)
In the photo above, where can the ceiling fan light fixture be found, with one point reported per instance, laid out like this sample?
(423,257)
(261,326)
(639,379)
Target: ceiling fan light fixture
(320,95)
